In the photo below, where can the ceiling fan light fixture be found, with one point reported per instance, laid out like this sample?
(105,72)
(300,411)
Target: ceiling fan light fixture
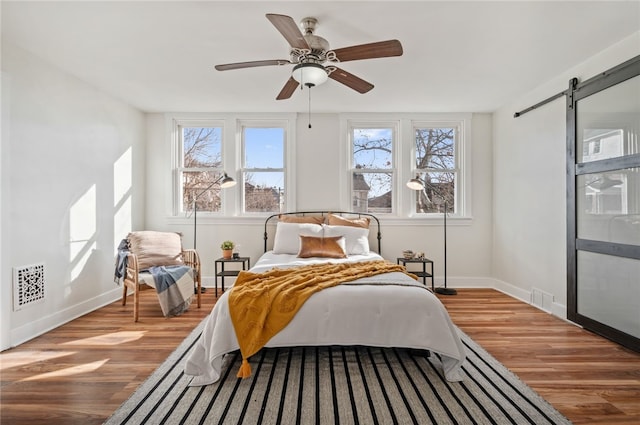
(310,74)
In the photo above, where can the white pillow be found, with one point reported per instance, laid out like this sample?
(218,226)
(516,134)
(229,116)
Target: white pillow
(356,238)
(287,239)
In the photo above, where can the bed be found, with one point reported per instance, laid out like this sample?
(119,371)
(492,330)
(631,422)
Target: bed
(385,310)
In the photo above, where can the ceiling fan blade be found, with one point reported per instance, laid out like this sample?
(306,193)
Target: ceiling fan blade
(380,49)
(289,29)
(350,80)
(290,86)
(239,65)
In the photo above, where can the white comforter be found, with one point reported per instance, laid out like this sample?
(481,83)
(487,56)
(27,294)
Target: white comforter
(371,315)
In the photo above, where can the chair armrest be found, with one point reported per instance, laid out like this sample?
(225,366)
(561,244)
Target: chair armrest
(131,274)
(191,259)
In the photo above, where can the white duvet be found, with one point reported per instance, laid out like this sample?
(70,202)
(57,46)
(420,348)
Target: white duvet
(370,314)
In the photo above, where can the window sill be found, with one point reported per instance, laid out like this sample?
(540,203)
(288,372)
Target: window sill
(259,220)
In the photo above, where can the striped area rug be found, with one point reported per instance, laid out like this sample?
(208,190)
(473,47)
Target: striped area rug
(338,385)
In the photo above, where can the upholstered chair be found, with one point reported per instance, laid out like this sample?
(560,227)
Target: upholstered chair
(157,259)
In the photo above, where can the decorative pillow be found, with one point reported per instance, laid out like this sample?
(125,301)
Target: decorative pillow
(332,247)
(356,238)
(336,220)
(287,240)
(156,248)
(301,219)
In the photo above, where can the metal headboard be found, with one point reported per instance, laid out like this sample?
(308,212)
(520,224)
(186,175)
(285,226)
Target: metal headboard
(323,214)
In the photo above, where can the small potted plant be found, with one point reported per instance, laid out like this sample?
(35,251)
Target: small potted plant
(227,249)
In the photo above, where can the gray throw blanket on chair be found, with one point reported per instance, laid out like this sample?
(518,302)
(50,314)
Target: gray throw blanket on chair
(174,285)
(121,261)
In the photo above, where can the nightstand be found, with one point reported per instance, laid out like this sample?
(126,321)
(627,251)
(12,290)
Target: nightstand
(423,274)
(221,273)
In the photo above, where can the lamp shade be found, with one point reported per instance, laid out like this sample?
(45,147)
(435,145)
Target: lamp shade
(415,184)
(227,182)
(310,74)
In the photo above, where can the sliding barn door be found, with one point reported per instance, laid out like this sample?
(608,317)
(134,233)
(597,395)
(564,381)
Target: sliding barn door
(603,203)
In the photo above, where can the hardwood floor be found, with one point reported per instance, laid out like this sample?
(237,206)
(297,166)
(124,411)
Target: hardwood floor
(591,380)
(81,372)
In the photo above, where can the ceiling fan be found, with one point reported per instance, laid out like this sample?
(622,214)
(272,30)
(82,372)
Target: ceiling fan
(309,53)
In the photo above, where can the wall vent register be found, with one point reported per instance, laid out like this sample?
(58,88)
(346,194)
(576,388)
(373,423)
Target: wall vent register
(28,285)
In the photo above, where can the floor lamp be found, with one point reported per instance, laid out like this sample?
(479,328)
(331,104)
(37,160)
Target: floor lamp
(225,182)
(418,185)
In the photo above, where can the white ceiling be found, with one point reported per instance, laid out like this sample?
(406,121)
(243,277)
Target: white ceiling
(458,56)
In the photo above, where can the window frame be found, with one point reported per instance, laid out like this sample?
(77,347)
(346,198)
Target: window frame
(457,171)
(231,199)
(394,126)
(405,164)
(242,169)
(178,162)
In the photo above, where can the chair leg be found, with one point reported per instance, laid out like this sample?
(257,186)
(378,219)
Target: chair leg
(136,302)
(199,293)
(124,294)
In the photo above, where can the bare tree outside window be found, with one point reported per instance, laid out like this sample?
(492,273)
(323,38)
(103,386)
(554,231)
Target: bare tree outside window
(263,199)
(372,175)
(201,166)
(436,166)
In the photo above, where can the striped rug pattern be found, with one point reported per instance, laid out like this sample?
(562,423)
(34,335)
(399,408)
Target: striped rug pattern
(338,385)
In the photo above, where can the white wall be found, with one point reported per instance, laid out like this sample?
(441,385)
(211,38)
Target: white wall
(69,190)
(529,212)
(319,179)
(80,169)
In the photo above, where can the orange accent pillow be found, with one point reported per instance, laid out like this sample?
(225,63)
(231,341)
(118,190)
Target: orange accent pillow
(301,219)
(331,247)
(336,220)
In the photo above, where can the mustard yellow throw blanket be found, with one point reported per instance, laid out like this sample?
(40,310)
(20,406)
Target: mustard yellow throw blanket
(262,304)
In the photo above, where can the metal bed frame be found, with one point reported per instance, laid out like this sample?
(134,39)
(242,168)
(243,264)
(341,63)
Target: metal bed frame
(345,214)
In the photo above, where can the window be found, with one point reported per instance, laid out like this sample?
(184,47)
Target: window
(372,168)
(199,166)
(263,170)
(384,151)
(256,150)
(436,165)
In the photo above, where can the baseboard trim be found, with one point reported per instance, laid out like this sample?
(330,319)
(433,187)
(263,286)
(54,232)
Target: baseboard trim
(516,292)
(31,330)
(41,326)
(557,309)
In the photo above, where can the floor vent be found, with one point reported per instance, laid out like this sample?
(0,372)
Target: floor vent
(542,300)
(28,285)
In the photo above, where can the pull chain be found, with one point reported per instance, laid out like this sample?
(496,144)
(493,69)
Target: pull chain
(309,85)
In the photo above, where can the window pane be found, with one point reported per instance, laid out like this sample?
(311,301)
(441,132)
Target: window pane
(372,192)
(201,147)
(607,122)
(264,192)
(608,206)
(195,184)
(439,189)
(601,143)
(263,147)
(609,290)
(372,148)
(435,148)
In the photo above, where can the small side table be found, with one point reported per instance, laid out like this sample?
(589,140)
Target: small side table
(222,273)
(423,274)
